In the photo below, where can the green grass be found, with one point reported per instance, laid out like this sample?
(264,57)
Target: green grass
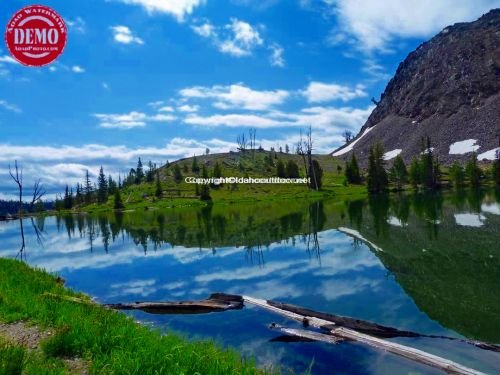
(137,197)
(15,359)
(111,342)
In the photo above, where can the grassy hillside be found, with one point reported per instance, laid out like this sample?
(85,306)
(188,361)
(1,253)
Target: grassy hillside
(248,164)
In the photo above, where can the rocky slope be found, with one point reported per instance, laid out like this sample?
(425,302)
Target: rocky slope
(448,89)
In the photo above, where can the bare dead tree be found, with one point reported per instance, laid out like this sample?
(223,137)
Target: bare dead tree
(251,134)
(304,149)
(18,179)
(38,193)
(308,146)
(242,142)
(302,153)
(347,134)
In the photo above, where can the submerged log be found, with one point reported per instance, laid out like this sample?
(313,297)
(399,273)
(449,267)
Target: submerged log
(342,321)
(215,303)
(301,335)
(349,334)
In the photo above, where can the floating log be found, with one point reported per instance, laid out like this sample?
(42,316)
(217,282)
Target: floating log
(215,303)
(301,335)
(349,334)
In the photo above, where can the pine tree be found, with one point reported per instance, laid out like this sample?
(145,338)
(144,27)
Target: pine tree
(102,188)
(118,204)
(195,168)
(79,195)
(473,172)
(292,169)
(139,172)
(457,175)
(377,180)
(205,193)
(287,149)
(68,199)
(204,171)
(352,171)
(150,174)
(217,170)
(415,173)
(88,188)
(177,173)
(280,169)
(112,186)
(159,190)
(430,173)
(399,173)
(496,169)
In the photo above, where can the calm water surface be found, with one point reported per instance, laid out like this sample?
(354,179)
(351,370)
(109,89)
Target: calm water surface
(427,263)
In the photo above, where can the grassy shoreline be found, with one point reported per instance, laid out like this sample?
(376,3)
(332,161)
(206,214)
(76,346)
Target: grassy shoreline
(110,342)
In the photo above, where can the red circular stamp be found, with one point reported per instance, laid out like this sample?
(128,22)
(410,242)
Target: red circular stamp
(36,35)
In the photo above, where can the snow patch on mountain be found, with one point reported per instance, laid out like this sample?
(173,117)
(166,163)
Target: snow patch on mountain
(392,154)
(464,147)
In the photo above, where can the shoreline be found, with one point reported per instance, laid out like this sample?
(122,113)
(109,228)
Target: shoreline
(103,340)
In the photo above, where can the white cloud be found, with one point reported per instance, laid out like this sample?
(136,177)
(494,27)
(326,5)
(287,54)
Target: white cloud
(243,40)
(375,25)
(77,24)
(77,69)
(61,165)
(123,121)
(7,59)
(9,107)
(177,8)
(188,108)
(156,104)
(206,30)
(52,68)
(234,121)
(130,120)
(330,120)
(318,92)
(161,118)
(237,96)
(166,109)
(276,58)
(237,38)
(122,34)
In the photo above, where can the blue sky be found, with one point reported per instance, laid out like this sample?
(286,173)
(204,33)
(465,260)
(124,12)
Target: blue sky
(164,79)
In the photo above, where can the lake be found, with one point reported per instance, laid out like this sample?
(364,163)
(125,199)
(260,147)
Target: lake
(422,262)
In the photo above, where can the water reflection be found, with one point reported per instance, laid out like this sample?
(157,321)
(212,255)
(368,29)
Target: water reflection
(434,273)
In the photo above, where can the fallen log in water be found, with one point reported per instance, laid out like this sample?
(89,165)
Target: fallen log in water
(336,328)
(215,303)
(342,321)
(349,334)
(297,335)
(374,329)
